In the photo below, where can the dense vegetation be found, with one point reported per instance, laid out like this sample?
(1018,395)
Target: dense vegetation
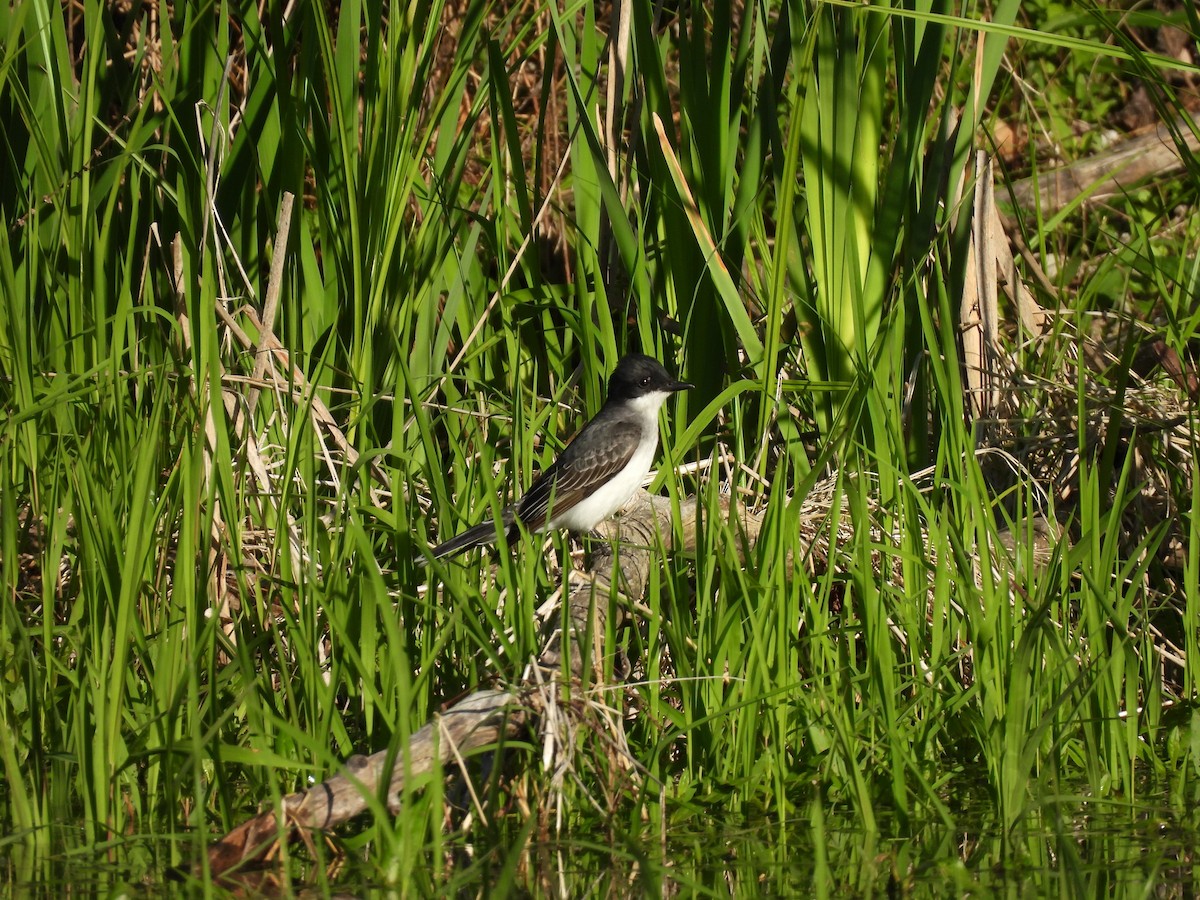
(215,476)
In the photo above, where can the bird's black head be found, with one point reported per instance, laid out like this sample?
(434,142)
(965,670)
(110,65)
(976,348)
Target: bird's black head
(637,376)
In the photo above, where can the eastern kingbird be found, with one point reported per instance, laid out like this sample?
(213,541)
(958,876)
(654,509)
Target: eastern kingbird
(599,470)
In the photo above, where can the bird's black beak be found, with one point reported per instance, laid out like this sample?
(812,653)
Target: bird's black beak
(680,386)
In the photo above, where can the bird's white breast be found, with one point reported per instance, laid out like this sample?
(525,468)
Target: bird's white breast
(602,503)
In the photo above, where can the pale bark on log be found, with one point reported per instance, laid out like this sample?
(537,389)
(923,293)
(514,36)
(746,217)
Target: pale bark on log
(484,717)
(1112,172)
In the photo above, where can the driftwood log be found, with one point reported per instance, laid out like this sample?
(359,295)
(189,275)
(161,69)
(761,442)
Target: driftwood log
(1156,152)
(484,717)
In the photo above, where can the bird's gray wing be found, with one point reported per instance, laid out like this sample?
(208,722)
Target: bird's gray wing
(575,475)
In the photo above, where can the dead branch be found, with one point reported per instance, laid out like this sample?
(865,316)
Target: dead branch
(486,716)
(1114,171)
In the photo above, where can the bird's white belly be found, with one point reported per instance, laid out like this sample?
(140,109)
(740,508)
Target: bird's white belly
(591,511)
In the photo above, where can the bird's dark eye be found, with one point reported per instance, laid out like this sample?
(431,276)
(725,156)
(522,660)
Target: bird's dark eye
(645,380)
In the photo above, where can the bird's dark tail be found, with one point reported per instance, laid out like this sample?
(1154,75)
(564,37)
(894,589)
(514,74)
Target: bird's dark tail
(481,535)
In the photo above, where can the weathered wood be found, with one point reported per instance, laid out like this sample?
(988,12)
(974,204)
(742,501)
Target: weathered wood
(630,544)
(1113,171)
(484,716)
(479,720)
